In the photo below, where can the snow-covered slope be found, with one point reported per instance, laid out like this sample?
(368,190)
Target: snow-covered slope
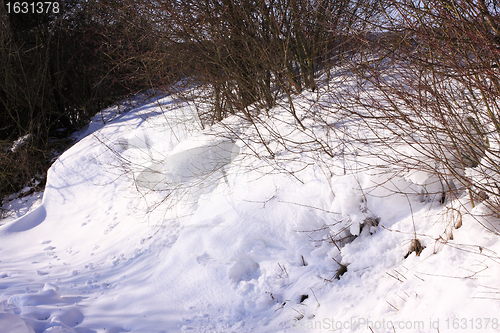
(150,224)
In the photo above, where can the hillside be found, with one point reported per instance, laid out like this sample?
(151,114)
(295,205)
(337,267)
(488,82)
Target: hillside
(150,223)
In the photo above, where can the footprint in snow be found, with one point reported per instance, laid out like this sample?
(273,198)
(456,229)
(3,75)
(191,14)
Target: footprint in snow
(244,269)
(203,259)
(46,312)
(48,295)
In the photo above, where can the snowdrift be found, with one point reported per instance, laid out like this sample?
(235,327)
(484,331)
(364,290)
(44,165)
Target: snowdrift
(151,224)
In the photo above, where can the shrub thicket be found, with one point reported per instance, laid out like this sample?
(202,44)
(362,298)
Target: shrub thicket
(55,74)
(427,73)
(242,52)
(436,87)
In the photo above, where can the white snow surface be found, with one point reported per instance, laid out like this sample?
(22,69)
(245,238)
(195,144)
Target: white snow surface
(151,224)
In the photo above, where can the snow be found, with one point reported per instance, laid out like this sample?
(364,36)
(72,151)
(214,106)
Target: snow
(20,142)
(151,224)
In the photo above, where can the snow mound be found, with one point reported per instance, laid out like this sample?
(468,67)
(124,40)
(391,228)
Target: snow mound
(191,160)
(153,224)
(41,312)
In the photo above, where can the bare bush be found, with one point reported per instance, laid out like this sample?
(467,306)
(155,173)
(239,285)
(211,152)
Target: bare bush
(432,83)
(241,52)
